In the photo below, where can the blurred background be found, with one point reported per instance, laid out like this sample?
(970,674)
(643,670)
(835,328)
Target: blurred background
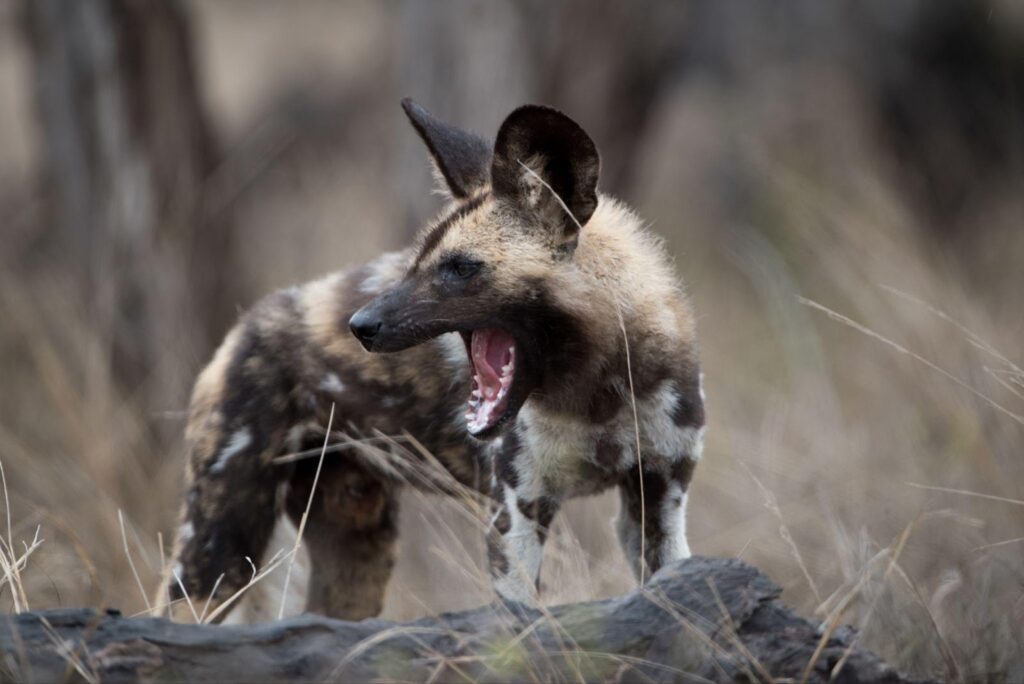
(841,185)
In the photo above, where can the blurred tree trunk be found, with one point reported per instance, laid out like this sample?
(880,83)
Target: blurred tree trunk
(469,62)
(605,63)
(127,150)
(614,61)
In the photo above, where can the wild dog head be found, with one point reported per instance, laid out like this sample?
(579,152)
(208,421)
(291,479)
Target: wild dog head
(485,269)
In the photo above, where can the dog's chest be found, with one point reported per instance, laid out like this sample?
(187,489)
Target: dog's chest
(563,457)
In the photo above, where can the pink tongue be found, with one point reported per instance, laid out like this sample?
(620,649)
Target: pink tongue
(490,348)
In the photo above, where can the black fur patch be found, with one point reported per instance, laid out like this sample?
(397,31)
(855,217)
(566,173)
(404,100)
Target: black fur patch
(682,472)
(433,238)
(571,162)
(542,511)
(689,408)
(604,405)
(655,488)
(555,339)
(608,453)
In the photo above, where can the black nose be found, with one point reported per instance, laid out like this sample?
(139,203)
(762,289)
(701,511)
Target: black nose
(365,326)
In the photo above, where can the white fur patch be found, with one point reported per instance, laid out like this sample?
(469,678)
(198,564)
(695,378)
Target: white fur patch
(523,551)
(553,448)
(293,440)
(387,270)
(238,442)
(532,181)
(673,520)
(658,431)
(697,444)
(332,383)
(186,531)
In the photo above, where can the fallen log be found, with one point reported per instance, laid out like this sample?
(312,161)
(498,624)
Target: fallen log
(703,619)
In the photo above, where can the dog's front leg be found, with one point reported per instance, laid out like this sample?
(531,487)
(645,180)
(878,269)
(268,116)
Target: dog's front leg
(652,519)
(515,542)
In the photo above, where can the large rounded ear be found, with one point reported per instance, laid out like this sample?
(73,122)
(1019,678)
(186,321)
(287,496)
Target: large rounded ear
(541,153)
(463,158)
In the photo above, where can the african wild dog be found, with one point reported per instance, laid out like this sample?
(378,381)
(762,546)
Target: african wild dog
(546,305)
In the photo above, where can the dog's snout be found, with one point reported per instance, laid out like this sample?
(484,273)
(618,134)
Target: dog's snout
(365,325)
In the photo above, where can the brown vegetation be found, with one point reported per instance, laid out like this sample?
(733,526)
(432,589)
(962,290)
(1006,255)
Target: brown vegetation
(841,188)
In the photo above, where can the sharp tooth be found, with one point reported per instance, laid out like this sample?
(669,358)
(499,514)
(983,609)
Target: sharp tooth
(476,394)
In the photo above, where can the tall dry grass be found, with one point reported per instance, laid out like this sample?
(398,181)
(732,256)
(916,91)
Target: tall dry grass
(865,451)
(864,378)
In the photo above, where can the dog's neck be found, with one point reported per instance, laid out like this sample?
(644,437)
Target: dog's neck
(619,290)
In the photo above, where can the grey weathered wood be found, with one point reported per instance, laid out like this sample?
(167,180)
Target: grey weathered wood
(700,619)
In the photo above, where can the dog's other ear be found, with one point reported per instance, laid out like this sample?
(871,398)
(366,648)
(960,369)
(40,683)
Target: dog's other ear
(463,158)
(538,144)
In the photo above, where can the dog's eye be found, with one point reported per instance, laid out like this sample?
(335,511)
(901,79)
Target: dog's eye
(463,268)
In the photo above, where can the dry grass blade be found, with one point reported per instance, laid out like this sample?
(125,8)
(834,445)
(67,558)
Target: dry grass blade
(834,315)
(964,492)
(131,563)
(12,565)
(734,638)
(346,444)
(184,592)
(901,543)
(165,587)
(69,654)
(689,624)
(772,504)
(629,372)
(7,505)
(213,592)
(639,459)
(379,638)
(1007,384)
(642,570)
(1006,542)
(257,577)
(952,665)
(305,516)
(10,562)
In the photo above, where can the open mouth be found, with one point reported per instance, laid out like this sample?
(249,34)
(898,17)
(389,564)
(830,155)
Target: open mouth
(493,355)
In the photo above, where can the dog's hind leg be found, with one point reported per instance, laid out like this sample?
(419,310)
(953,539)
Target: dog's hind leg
(350,535)
(241,410)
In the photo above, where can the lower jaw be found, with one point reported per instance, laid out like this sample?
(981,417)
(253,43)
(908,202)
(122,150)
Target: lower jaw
(490,427)
(490,431)
(503,413)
